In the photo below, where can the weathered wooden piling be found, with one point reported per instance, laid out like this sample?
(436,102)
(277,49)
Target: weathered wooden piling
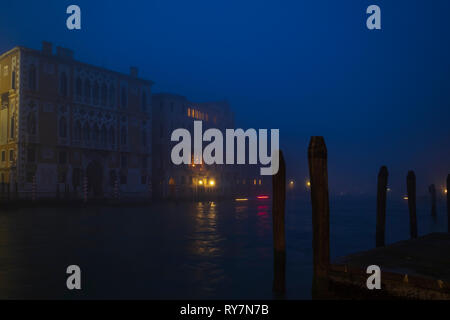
(318,174)
(448,202)
(381,206)
(279,238)
(432,190)
(411,189)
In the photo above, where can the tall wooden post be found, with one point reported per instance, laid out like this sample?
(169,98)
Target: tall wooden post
(432,190)
(318,174)
(381,206)
(411,189)
(448,202)
(279,238)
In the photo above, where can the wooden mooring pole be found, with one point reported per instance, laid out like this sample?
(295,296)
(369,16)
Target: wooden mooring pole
(448,202)
(411,189)
(318,174)
(381,206)
(432,190)
(279,238)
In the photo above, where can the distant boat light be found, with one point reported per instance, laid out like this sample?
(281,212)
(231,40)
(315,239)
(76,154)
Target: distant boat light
(262,197)
(241,199)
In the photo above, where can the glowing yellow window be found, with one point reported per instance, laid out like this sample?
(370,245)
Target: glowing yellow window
(254,181)
(189,112)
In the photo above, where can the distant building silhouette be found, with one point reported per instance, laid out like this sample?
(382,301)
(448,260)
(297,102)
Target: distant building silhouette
(172,111)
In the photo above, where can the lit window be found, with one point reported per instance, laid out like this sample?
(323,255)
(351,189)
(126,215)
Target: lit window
(189,112)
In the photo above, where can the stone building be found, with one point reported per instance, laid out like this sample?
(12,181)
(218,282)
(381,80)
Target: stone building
(172,111)
(62,120)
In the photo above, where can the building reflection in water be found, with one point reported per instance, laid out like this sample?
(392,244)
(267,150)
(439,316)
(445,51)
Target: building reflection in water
(207,240)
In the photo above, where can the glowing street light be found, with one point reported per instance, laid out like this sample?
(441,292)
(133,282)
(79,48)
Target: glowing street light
(212,183)
(405,198)
(200,182)
(308,184)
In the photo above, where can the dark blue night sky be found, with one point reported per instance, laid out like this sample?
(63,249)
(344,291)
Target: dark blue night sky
(305,67)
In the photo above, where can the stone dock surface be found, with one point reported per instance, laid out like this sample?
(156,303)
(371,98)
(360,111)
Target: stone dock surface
(411,269)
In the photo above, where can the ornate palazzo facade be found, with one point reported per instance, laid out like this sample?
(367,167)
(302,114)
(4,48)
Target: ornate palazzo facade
(62,120)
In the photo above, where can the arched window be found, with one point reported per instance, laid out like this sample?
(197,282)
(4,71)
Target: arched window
(77,131)
(63,84)
(78,88)
(87,91)
(123,135)
(31,123)
(144,101)
(103,137)
(95,133)
(63,127)
(112,137)
(32,78)
(12,128)
(112,95)
(104,94)
(96,93)
(86,132)
(123,97)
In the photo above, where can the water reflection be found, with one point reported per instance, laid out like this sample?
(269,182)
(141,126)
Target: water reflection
(198,250)
(206,239)
(263,222)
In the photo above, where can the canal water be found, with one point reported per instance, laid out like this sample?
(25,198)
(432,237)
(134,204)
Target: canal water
(204,250)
